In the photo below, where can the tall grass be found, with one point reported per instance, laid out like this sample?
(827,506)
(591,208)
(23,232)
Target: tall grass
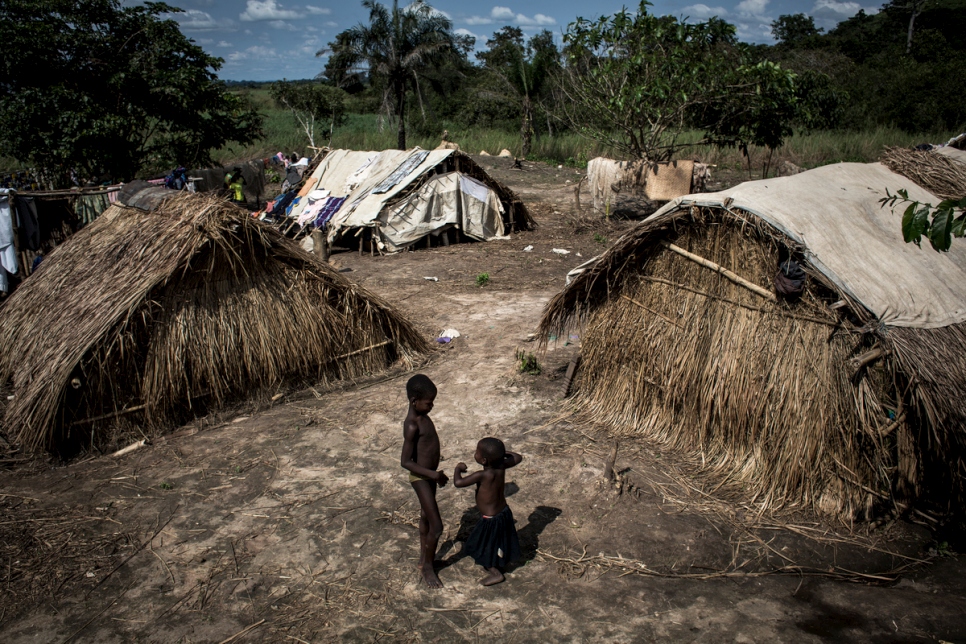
(375,132)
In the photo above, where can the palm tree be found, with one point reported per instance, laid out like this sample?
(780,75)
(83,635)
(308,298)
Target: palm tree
(524,71)
(396,46)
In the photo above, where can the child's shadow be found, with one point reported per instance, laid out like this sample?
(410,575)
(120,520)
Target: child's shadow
(539,519)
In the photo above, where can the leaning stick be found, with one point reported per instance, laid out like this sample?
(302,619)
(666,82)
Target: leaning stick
(737,279)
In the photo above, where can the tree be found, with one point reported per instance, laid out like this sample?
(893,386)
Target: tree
(397,46)
(795,30)
(636,81)
(310,103)
(524,71)
(91,88)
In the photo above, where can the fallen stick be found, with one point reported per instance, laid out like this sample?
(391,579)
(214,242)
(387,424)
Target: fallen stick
(243,631)
(130,448)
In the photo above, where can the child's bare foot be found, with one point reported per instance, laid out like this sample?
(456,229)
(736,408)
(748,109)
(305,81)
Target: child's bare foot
(429,576)
(494,577)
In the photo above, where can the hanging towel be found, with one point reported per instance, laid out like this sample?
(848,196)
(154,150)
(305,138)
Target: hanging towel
(331,207)
(8,252)
(27,222)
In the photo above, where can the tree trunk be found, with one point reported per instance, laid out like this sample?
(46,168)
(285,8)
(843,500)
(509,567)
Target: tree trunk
(526,129)
(916,6)
(401,116)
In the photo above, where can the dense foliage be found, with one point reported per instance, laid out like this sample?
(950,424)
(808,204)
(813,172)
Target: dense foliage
(904,66)
(91,89)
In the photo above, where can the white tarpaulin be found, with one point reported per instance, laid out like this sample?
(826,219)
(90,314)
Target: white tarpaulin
(834,212)
(443,202)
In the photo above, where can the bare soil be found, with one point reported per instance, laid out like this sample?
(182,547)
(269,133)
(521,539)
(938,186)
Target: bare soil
(293,522)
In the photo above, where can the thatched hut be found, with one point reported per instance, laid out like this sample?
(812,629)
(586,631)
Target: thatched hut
(843,397)
(152,317)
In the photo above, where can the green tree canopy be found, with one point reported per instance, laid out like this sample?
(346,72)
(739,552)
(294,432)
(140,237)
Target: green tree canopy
(397,47)
(635,81)
(524,72)
(311,104)
(795,30)
(94,88)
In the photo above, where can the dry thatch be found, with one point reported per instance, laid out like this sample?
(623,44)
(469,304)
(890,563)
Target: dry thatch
(939,174)
(784,403)
(156,316)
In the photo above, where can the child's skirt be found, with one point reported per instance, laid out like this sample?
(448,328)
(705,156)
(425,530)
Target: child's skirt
(494,542)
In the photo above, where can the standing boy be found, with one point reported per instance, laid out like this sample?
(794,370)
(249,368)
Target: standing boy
(494,542)
(420,455)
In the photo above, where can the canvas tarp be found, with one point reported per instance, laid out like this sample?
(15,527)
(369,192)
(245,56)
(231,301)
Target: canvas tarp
(953,153)
(448,200)
(357,176)
(835,214)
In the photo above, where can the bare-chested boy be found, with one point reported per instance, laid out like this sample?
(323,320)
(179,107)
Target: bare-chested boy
(494,542)
(420,455)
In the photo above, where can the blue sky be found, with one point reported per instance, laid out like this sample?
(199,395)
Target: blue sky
(274,39)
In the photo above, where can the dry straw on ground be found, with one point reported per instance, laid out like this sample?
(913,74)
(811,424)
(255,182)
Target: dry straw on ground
(152,317)
(776,399)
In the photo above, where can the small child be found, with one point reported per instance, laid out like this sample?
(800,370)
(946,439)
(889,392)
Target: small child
(494,542)
(420,456)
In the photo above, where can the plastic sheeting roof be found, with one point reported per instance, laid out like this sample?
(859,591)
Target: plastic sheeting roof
(834,212)
(355,175)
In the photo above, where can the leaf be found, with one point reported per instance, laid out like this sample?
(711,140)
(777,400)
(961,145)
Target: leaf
(939,231)
(911,228)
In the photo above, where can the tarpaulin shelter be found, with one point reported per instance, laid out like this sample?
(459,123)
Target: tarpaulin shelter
(842,398)
(398,197)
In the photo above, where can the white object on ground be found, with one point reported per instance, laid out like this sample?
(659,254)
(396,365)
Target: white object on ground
(431,279)
(561,251)
(450,333)
(528,248)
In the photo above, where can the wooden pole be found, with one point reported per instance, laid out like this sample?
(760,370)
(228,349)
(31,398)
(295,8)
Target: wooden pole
(320,244)
(647,308)
(721,270)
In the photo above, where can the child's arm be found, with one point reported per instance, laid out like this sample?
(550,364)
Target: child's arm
(410,436)
(460,481)
(512,459)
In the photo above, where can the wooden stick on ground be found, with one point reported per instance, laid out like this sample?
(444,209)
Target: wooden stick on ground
(734,277)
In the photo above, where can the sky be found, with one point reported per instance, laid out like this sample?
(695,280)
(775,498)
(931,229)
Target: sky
(274,39)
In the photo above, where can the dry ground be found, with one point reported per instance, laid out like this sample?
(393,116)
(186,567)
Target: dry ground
(295,523)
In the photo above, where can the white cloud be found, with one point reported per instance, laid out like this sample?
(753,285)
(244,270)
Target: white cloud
(255,52)
(195,20)
(318,11)
(505,14)
(502,13)
(467,32)
(266,10)
(281,24)
(331,24)
(224,43)
(703,11)
(828,13)
(752,7)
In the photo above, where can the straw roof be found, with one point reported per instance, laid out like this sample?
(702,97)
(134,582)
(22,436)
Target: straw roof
(844,401)
(154,316)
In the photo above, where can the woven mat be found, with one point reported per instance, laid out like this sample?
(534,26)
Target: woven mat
(669,180)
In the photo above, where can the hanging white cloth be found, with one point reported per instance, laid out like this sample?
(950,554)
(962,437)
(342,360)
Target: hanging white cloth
(8,252)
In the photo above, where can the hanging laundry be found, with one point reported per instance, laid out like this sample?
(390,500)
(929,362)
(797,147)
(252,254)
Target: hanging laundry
(89,207)
(8,252)
(317,199)
(27,222)
(332,205)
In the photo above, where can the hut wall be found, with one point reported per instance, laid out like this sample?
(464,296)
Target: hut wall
(759,395)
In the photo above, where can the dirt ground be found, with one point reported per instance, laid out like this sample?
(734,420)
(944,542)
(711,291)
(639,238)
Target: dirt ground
(294,522)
